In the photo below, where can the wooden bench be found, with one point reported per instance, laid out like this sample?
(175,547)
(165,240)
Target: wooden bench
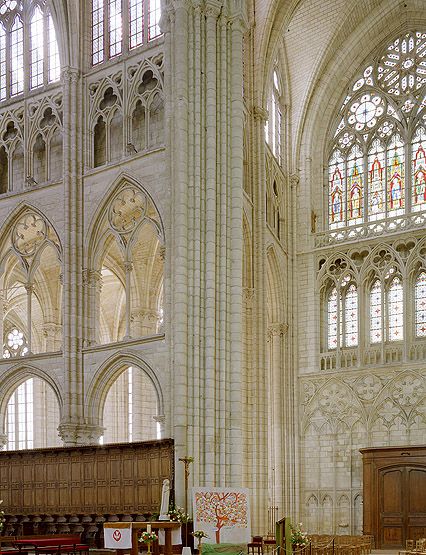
(51,545)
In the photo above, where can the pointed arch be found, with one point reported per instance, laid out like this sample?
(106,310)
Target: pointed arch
(106,375)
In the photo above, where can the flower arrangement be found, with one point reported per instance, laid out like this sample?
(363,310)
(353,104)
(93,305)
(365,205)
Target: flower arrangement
(179,515)
(148,537)
(2,519)
(298,537)
(199,534)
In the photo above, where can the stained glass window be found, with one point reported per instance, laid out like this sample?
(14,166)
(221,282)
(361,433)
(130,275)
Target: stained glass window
(351,317)
(274,122)
(395,311)
(17,58)
(332,319)
(120,25)
(342,315)
(29,55)
(36,48)
(53,52)
(3,78)
(337,200)
(355,176)
(154,14)
(376,313)
(97,31)
(373,135)
(418,175)
(114,20)
(135,23)
(420,305)
(395,176)
(376,181)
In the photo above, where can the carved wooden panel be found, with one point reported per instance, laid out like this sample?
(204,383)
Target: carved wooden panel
(119,478)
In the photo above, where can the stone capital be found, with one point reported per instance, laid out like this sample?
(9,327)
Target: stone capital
(70,74)
(294,180)
(276,330)
(213,8)
(80,434)
(260,113)
(248,295)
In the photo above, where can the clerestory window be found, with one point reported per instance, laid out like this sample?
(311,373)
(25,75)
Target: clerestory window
(29,55)
(377,166)
(121,25)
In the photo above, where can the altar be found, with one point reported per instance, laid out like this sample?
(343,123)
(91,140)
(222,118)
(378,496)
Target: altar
(165,526)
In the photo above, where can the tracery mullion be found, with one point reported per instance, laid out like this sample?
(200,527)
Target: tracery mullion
(45,49)
(365,195)
(384,318)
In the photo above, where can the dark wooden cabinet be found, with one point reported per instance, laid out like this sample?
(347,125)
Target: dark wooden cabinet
(394,489)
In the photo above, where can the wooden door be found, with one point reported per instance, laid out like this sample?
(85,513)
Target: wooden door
(402,505)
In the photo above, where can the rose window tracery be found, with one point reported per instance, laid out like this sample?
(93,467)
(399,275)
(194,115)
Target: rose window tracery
(402,69)
(377,167)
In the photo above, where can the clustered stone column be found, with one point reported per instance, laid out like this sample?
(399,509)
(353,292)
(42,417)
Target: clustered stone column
(204,64)
(74,428)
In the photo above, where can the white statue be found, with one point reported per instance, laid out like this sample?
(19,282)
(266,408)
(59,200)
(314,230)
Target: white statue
(165,495)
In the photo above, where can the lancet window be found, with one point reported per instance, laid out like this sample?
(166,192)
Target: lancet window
(342,315)
(29,55)
(32,416)
(377,167)
(274,123)
(121,25)
(387,309)
(420,305)
(20,417)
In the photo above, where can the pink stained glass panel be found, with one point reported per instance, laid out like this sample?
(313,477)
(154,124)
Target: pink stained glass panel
(376,313)
(420,305)
(332,320)
(395,311)
(351,317)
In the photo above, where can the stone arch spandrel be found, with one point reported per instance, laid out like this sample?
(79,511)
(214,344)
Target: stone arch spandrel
(99,218)
(399,409)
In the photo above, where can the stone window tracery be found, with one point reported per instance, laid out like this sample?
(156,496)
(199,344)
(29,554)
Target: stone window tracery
(15,344)
(377,157)
(29,55)
(121,25)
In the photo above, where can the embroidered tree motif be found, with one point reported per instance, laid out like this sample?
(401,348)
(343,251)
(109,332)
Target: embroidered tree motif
(221,509)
